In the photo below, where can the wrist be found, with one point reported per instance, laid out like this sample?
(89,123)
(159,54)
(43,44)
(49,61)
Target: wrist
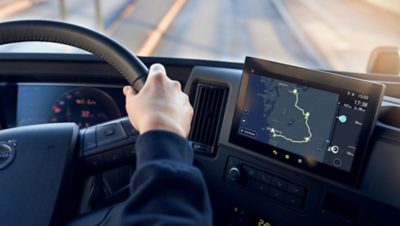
(161,123)
(169,146)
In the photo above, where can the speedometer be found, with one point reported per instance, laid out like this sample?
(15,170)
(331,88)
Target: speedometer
(85,107)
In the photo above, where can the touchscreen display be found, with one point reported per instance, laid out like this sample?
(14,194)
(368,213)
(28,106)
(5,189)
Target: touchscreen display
(310,119)
(313,123)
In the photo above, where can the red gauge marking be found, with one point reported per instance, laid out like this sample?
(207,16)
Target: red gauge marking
(56,109)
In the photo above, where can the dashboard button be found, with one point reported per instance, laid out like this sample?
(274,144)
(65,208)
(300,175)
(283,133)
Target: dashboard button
(293,201)
(277,194)
(114,157)
(89,140)
(128,127)
(201,148)
(251,172)
(110,133)
(262,188)
(264,177)
(250,184)
(296,189)
(278,183)
(94,163)
(233,162)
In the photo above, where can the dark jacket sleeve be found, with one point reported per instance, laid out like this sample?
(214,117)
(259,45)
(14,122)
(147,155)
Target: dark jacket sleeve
(166,189)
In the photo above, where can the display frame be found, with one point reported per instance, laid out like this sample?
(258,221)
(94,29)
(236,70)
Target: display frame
(315,79)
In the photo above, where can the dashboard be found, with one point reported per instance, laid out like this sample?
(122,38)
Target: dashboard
(277,145)
(51,103)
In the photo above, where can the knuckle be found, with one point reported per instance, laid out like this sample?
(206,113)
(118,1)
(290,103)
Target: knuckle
(158,76)
(177,84)
(127,108)
(191,111)
(185,97)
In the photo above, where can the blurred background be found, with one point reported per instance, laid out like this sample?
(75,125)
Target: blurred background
(326,34)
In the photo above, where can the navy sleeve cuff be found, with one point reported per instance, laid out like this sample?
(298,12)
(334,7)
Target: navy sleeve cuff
(163,145)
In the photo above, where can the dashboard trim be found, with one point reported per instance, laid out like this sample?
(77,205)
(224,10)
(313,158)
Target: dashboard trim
(376,197)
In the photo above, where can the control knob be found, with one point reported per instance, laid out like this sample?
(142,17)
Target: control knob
(234,174)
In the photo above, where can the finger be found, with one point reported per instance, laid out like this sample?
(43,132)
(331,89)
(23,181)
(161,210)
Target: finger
(128,90)
(157,69)
(185,97)
(157,77)
(177,85)
(191,111)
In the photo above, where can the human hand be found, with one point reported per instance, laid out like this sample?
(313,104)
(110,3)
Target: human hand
(160,104)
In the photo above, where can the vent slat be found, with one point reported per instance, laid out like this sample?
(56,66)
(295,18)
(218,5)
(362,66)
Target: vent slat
(196,127)
(209,104)
(209,117)
(214,120)
(203,119)
(220,113)
(203,116)
(213,110)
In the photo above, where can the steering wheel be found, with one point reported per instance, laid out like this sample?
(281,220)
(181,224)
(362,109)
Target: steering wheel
(41,165)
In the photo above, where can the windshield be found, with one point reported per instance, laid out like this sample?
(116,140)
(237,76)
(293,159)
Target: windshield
(335,34)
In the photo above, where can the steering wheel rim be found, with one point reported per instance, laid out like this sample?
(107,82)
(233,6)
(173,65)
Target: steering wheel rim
(65,136)
(128,64)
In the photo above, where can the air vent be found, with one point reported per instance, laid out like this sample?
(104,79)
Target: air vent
(209,104)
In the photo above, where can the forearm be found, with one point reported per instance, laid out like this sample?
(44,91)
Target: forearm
(166,189)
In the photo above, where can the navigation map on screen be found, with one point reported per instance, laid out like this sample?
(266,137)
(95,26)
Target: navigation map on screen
(303,120)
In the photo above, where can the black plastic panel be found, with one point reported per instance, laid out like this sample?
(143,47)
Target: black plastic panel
(34,183)
(375,204)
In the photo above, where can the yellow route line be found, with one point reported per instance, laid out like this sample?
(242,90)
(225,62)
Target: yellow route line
(306,117)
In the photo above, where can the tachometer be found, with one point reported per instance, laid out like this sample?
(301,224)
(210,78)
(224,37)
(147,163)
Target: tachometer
(85,107)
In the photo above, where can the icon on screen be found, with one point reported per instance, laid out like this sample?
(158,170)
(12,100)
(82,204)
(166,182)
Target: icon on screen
(342,118)
(337,162)
(334,149)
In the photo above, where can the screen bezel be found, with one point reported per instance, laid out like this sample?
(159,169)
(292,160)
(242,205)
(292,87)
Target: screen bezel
(319,80)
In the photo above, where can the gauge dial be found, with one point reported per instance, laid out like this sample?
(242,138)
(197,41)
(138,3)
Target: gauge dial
(85,107)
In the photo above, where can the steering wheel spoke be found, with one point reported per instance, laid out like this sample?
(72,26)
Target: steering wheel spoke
(108,145)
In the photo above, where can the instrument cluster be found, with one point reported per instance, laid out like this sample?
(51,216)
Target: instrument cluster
(84,105)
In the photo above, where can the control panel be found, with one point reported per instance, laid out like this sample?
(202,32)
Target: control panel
(265,184)
(108,145)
